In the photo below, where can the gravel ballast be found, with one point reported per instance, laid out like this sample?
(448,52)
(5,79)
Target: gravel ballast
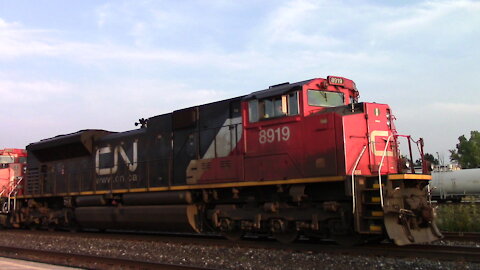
(213,256)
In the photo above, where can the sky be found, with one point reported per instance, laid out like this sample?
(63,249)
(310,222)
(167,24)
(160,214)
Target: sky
(72,65)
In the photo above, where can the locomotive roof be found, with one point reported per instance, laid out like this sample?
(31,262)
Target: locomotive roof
(75,144)
(119,135)
(275,90)
(72,136)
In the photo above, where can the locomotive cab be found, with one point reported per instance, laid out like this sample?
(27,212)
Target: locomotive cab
(317,130)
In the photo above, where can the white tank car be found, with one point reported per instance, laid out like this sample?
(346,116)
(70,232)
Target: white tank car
(453,185)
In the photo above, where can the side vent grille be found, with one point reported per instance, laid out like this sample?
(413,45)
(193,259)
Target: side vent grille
(32,185)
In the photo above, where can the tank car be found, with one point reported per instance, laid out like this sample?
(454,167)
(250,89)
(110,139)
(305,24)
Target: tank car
(454,185)
(301,158)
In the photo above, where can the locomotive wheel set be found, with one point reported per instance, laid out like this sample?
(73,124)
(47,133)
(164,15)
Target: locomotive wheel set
(295,159)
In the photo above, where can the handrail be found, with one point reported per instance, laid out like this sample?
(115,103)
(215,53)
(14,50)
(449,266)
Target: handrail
(380,170)
(419,144)
(10,194)
(353,177)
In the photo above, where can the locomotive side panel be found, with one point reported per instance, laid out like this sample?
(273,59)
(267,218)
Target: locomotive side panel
(62,164)
(274,150)
(320,140)
(121,161)
(159,136)
(356,145)
(214,154)
(185,142)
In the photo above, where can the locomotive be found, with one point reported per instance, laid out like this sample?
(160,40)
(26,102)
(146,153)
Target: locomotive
(303,158)
(12,170)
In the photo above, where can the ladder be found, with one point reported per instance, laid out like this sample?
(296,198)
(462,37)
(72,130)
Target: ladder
(369,218)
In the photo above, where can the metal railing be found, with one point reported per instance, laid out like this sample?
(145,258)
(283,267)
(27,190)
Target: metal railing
(380,169)
(353,178)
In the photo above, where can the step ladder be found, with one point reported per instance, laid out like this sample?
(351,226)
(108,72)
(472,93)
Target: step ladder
(369,211)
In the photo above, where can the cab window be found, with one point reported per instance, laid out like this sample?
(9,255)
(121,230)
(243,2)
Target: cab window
(325,98)
(273,107)
(7,159)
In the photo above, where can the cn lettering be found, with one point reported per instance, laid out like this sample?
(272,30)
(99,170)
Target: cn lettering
(118,150)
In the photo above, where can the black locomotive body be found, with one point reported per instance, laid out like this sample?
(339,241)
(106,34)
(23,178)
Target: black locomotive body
(285,161)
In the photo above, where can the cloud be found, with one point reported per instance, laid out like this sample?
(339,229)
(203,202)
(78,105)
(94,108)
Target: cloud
(297,23)
(427,15)
(16,41)
(27,92)
(456,108)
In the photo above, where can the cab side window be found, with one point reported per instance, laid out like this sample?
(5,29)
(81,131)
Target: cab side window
(273,107)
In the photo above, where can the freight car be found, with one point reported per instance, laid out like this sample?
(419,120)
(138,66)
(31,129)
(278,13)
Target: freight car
(296,158)
(12,169)
(454,185)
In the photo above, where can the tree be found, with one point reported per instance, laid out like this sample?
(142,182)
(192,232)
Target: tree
(467,154)
(431,159)
(428,157)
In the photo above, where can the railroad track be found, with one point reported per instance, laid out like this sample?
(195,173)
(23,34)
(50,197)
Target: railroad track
(87,261)
(437,252)
(462,236)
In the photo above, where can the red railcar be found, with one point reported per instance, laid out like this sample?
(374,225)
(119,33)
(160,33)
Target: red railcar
(12,172)
(302,158)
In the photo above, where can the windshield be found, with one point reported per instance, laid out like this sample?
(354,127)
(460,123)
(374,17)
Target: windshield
(6,159)
(325,98)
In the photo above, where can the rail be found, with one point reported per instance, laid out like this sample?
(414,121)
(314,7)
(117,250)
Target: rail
(380,169)
(437,252)
(419,144)
(14,189)
(353,178)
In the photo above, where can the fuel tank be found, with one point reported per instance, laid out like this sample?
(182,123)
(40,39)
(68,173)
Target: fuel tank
(175,218)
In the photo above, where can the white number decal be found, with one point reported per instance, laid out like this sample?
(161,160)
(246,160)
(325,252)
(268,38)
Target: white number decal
(261,136)
(274,135)
(285,133)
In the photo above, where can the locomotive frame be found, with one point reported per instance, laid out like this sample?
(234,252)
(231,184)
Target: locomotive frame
(300,158)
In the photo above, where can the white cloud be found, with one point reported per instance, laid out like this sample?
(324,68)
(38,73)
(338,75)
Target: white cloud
(292,22)
(426,15)
(456,108)
(27,92)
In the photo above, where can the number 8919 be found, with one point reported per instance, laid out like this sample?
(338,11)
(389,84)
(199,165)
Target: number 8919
(271,135)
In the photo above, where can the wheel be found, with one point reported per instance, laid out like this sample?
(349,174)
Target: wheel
(286,237)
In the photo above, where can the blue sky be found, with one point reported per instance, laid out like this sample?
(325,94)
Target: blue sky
(71,65)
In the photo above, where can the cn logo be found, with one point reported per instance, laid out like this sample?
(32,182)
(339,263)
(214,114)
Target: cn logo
(117,151)
(375,143)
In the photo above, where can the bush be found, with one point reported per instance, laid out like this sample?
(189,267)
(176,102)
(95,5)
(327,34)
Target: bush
(463,217)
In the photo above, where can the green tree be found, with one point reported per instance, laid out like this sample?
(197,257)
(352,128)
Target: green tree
(431,158)
(467,154)
(428,157)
